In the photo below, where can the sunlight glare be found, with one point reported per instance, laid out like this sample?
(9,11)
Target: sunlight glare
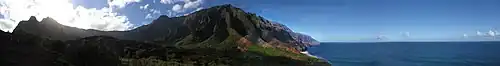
(64,12)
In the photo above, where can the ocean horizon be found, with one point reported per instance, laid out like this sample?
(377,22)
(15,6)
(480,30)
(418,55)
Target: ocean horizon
(472,53)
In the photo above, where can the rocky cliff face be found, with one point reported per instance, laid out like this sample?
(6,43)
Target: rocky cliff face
(212,24)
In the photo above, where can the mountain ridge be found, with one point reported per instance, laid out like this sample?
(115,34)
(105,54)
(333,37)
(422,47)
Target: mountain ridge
(221,35)
(179,27)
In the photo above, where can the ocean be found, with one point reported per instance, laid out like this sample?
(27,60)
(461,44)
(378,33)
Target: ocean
(409,53)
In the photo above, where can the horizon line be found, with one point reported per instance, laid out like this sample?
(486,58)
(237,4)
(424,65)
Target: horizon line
(407,41)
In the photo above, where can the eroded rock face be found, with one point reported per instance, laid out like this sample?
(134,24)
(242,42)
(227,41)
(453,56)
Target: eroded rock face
(219,19)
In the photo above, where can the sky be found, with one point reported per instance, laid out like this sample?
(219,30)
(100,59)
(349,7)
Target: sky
(324,20)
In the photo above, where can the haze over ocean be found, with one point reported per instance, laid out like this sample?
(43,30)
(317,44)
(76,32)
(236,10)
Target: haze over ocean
(410,53)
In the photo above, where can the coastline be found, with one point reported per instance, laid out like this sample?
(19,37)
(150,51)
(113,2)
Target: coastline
(314,56)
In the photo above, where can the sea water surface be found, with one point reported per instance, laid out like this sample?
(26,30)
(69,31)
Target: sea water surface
(410,53)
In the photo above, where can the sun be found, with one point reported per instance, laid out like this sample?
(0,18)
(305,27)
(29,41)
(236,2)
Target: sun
(64,12)
(60,10)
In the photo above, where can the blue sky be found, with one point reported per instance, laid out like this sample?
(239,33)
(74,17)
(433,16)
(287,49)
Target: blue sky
(337,20)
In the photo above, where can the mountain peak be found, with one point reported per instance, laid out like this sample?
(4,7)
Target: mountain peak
(220,9)
(229,7)
(226,6)
(32,18)
(49,20)
(163,16)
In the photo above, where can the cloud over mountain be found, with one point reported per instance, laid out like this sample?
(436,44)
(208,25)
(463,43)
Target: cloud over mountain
(13,11)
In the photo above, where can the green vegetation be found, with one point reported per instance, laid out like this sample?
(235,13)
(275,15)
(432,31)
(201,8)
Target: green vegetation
(151,61)
(281,52)
(225,53)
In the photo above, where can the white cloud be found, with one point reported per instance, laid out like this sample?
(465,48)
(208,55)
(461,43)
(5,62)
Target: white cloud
(170,13)
(192,4)
(171,1)
(188,5)
(102,19)
(167,1)
(478,33)
(144,7)
(498,34)
(381,37)
(177,8)
(148,16)
(405,34)
(120,3)
(6,25)
(491,33)
(198,9)
(465,36)
(63,11)
(154,11)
